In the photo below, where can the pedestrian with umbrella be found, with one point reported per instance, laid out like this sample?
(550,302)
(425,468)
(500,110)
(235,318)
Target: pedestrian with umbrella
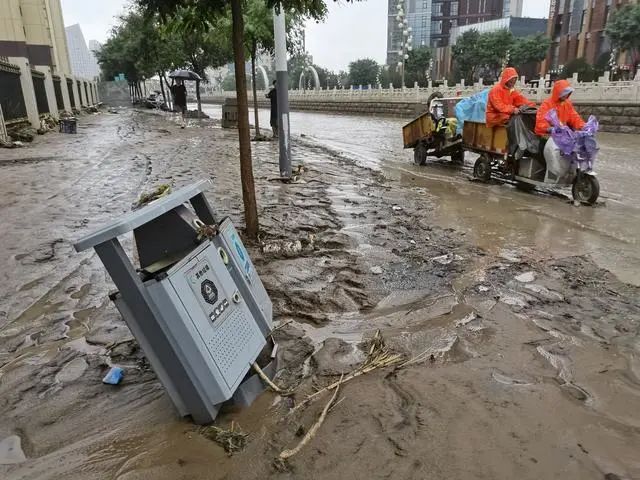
(179,91)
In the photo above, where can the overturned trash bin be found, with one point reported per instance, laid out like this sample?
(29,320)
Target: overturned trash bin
(196,305)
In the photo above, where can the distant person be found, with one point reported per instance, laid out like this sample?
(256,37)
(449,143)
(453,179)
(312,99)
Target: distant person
(559,101)
(273,96)
(179,93)
(504,100)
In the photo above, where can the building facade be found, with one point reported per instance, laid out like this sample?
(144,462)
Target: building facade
(83,61)
(577,28)
(431,21)
(35,72)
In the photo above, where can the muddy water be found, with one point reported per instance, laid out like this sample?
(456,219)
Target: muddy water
(534,379)
(499,217)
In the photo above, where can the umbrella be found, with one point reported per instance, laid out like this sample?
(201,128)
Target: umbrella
(185,75)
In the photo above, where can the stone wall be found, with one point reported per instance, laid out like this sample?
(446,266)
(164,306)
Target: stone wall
(620,118)
(613,118)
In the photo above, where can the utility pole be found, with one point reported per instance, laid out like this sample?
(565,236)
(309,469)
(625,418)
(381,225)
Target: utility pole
(282,89)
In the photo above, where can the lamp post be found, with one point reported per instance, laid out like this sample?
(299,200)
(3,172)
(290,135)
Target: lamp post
(406,40)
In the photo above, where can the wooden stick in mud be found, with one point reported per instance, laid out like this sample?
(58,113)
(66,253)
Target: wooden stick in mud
(285,454)
(390,360)
(268,381)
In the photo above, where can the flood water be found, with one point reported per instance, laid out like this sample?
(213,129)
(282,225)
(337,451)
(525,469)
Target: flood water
(499,216)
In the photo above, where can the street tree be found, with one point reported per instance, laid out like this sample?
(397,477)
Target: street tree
(465,54)
(624,30)
(417,66)
(207,13)
(492,49)
(259,39)
(528,51)
(364,72)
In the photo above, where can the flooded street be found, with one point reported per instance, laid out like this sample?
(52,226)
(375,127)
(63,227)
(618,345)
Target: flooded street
(517,316)
(499,217)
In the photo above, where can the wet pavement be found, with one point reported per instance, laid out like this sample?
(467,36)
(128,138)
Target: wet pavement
(516,310)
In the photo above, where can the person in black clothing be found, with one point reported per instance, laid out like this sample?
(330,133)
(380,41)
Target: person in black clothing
(273,96)
(179,92)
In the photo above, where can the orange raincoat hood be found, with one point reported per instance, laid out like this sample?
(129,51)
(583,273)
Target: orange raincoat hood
(508,74)
(558,87)
(503,101)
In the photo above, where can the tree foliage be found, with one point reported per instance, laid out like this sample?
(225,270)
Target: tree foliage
(586,72)
(484,54)
(364,72)
(624,29)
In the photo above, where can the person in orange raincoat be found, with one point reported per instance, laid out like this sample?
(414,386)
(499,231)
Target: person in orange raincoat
(559,101)
(504,100)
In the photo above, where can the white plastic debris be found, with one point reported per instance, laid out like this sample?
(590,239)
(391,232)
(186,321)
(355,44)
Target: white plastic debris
(527,277)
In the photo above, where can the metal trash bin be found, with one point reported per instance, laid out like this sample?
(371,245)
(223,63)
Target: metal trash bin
(195,322)
(230,113)
(68,125)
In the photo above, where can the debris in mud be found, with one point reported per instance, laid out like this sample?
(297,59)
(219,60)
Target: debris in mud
(379,356)
(114,376)
(195,114)
(23,134)
(233,440)
(336,357)
(447,259)
(11,451)
(376,270)
(148,197)
(286,454)
(72,371)
(287,248)
(527,277)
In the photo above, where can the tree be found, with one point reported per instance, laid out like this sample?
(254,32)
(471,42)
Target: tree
(585,71)
(492,49)
(465,54)
(526,52)
(624,30)
(207,12)
(364,72)
(417,66)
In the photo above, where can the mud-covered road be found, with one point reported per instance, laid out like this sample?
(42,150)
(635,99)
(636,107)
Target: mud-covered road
(519,311)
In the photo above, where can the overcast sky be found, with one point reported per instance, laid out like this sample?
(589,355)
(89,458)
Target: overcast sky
(344,37)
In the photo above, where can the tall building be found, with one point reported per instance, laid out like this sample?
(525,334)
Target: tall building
(35,71)
(83,61)
(577,28)
(431,21)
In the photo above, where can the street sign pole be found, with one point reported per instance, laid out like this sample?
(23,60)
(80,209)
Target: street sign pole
(282,88)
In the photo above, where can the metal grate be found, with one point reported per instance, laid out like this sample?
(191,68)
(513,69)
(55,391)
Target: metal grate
(11,98)
(41,94)
(57,87)
(72,97)
(228,345)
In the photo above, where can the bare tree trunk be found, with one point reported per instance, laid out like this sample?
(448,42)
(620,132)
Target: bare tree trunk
(170,96)
(164,96)
(253,81)
(198,98)
(246,168)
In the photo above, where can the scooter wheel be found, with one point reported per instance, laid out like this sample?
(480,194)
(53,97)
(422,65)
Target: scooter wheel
(586,189)
(482,168)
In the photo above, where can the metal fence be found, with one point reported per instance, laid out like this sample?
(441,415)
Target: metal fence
(11,98)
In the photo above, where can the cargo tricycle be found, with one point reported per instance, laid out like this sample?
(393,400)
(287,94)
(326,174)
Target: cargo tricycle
(528,171)
(434,132)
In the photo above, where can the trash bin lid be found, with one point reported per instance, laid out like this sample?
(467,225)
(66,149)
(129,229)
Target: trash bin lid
(133,220)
